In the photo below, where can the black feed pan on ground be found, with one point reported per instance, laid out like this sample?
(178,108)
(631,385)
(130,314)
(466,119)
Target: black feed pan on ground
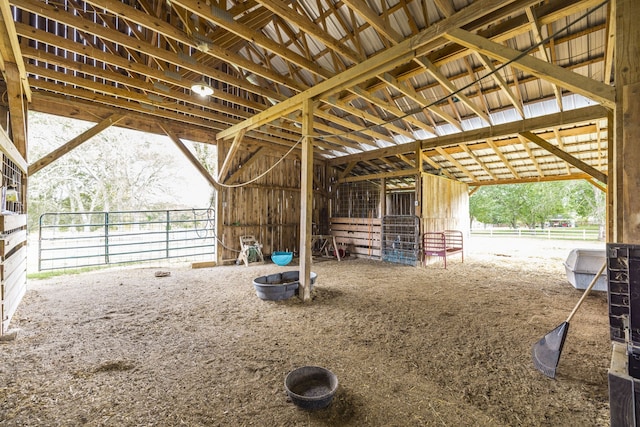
(311,387)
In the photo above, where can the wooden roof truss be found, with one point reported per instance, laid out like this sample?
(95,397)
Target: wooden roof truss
(454,87)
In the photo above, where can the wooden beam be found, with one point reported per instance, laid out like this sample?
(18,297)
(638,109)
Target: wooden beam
(378,23)
(17,108)
(451,88)
(482,164)
(436,166)
(392,109)
(517,103)
(410,92)
(72,21)
(556,132)
(627,117)
(581,115)
(74,143)
(614,188)
(502,157)
(142,87)
(597,184)
(610,42)
(230,155)
(394,174)
(600,176)
(189,155)
(125,96)
(10,151)
(407,160)
(311,28)
(456,163)
(532,157)
(355,128)
(378,64)
(248,162)
(347,170)
(548,178)
(537,36)
(306,201)
(221,18)
(173,79)
(10,52)
(577,83)
(367,117)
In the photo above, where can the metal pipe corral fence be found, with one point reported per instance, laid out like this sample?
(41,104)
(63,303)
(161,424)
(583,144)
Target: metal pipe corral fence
(70,240)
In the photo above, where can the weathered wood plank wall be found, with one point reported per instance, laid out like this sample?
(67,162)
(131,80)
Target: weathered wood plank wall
(359,236)
(268,208)
(13,233)
(445,204)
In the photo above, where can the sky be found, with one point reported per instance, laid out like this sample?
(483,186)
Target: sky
(189,188)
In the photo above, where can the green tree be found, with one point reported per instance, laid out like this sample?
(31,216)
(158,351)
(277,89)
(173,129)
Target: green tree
(117,169)
(588,202)
(531,204)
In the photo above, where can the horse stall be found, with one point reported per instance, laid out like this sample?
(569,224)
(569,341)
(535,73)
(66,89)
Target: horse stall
(387,219)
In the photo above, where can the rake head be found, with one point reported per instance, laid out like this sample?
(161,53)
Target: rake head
(546,352)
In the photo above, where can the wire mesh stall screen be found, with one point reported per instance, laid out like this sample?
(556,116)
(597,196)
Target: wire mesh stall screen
(11,202)
(400,239)
(357,200)
(401,203)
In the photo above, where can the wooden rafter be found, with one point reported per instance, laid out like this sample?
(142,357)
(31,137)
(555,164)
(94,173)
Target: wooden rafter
(600,176)
(392,109)
(537,36)
(577,83)
(401,53)
(502,157)
(532,157)
(455,163)
(223,19)
(410,92)
(451,88)
(505,130)
(556,132)
(515,101)
(381,26)
(312,29)
(436,166)
(230,154)
(480,163)
(140,58)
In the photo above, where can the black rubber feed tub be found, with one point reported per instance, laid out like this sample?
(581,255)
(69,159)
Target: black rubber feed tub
(279,286)
(311,387)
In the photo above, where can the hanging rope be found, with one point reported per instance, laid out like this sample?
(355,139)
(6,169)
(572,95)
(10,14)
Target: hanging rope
(265,172)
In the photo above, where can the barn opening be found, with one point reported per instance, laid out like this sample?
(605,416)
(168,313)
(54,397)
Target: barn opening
(453,94)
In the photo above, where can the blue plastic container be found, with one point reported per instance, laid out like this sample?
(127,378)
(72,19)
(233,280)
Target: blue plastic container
(282,258)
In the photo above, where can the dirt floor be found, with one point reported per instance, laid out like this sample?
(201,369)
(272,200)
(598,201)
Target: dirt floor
(410,346)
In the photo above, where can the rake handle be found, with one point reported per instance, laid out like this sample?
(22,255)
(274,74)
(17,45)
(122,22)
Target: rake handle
(586,292)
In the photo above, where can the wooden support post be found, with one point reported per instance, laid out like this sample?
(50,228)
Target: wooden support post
(627,122)
(306,200)
(383,197)
(626,182)
(613,178)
